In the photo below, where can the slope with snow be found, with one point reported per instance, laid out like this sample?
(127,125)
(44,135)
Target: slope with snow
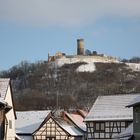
(89,67)
(134,66)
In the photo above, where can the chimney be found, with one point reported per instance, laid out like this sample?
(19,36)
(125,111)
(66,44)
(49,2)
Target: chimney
(80,46)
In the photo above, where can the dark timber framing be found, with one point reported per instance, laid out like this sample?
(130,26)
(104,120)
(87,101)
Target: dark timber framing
(105,129)
(51,130)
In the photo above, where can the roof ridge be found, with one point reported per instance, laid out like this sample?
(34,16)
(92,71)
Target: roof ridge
(129,94)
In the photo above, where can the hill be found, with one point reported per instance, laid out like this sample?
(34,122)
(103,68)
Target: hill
(75,85)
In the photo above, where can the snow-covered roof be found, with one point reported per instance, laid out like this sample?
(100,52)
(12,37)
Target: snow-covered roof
(111,108)
(78,120)
(134,102)
(126,134)
(73,131)
(29,121)
(69,128)
(4,83)
(2,101)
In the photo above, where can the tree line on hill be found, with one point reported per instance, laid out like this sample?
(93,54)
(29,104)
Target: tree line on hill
(39,86)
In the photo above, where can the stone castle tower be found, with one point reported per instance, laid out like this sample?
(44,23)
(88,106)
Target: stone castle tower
(80,46)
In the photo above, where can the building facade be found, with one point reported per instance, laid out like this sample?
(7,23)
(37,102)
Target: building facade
(57,129)
(8,112)
(109,116)
(2,120)
(136,117)
(43,125)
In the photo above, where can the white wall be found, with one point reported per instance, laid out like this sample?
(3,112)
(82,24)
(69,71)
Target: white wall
(10,116)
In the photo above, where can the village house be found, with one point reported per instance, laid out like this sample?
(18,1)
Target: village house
(109,116)
(7,112)
(28,122)
(3,109)
(136,118)
(43,125)
(133,130)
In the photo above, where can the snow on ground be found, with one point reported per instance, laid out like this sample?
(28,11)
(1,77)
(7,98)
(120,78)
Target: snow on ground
(61,61)
(90,67)
(134,66)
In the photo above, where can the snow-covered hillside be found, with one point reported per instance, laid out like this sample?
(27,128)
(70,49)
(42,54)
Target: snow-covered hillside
(134,66)
(90,63)
(89,67)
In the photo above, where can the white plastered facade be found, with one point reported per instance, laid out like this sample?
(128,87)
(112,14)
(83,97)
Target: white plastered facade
(10,117)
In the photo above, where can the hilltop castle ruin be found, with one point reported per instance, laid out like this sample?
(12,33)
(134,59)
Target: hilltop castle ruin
(61,58)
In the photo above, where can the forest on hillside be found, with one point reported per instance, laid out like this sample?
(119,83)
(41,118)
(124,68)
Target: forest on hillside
(39,86)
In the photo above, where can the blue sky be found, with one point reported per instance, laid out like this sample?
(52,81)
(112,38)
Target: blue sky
(30,29)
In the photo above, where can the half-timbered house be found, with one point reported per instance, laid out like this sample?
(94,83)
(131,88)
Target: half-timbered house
(56,128)
(42,125)
(2,118)
(7,112)
(28,122)
(109,116)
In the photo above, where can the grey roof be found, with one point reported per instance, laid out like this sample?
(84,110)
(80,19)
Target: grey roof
(4,83)
(134,102)
(29,121)
(111,108)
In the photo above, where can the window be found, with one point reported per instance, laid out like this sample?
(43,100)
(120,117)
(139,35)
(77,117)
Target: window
(10,124)
(50,138)
(100,127)
(97,127)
